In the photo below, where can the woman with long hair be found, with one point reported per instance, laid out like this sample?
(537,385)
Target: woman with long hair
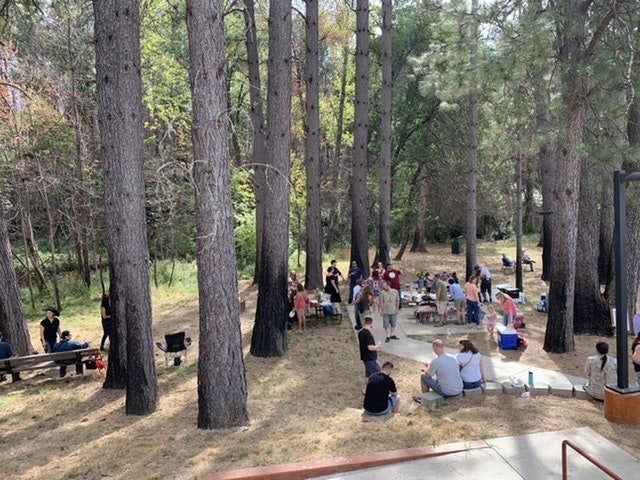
(471,365)
(601,370)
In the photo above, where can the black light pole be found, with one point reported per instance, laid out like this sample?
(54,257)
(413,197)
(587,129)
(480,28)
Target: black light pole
(620,238)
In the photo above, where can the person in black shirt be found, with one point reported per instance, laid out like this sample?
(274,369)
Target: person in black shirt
(49,330)
(368,349)
(381,396)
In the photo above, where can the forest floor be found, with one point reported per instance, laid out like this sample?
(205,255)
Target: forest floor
(305,405)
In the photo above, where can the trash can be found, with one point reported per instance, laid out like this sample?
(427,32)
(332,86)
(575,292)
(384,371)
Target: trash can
(457,247)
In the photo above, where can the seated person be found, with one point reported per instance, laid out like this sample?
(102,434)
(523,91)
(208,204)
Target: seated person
(601,370)
(7,352)
(527,261)
(66,344)
(442,375)
(381,395)
(506,261)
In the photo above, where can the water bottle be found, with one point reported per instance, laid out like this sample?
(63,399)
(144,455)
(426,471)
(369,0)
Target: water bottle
(530,378)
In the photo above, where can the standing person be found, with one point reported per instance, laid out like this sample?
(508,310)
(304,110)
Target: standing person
(485,284)
(66,344)
(332,287)
(600,370)
(471,365)
(381,395)
(50,330)
(442,297)
(7,352)
(368,350)
(473,301)
(442,375)
(459,300)
(105,314)
(509,310)
(354,274)
(392,276)
(357,290)
(390,304)
(380,269)
(300,303)
(375,283)
(492,320)
(363,304)
(635,358)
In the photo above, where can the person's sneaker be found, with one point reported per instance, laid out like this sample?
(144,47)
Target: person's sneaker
(417,399)
(393,337)
(387,340)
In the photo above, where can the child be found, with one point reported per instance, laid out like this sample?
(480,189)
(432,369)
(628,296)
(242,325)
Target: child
(300,304)
(492,318)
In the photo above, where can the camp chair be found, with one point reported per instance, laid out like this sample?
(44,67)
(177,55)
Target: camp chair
(175,347)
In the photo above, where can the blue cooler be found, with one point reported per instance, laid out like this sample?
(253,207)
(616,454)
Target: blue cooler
(507,338)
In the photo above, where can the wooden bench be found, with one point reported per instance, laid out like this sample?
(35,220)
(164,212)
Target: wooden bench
(79,358)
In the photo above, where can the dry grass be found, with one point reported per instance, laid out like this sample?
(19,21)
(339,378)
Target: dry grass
(303,406)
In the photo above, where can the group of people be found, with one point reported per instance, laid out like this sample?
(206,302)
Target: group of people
(446,375)
(53,340)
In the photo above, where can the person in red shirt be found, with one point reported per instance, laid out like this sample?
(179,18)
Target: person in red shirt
(392,277)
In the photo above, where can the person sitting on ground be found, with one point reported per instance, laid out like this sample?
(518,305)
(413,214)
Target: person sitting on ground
(66,344)
(527,261)
(600,370)
(509,309)
(381,395)
(459,300)
(442,375)
(471,365)
(7,352)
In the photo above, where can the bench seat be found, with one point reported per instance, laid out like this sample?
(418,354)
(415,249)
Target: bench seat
(47,360)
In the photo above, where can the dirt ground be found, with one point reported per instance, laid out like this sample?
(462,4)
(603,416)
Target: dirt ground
(305,405)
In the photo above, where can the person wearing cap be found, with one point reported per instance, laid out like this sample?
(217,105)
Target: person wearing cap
(66,344)
(50,330)
(7,352)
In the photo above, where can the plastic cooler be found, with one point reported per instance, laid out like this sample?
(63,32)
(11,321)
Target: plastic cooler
(507,338)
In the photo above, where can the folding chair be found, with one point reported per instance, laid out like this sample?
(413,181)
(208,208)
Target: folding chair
(175,347)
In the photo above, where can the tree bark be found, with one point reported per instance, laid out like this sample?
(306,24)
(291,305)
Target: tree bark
(119,85)
(222,388)
(269,337)
(359,212)
(257,121)
(313,278)
(386,111)
(13,323)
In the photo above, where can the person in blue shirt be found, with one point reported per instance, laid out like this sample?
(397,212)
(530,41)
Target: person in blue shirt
(66,344)
(7,352)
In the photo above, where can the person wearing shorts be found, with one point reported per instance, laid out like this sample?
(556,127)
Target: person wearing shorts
(441,300)
(390,307)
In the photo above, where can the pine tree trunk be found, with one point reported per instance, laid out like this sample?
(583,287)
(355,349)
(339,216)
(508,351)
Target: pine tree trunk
(13,323)
(313,263)
(386,107)
(119,85)
(257,121)
(359,206)
(269,337)
(591,313)
(222,388)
